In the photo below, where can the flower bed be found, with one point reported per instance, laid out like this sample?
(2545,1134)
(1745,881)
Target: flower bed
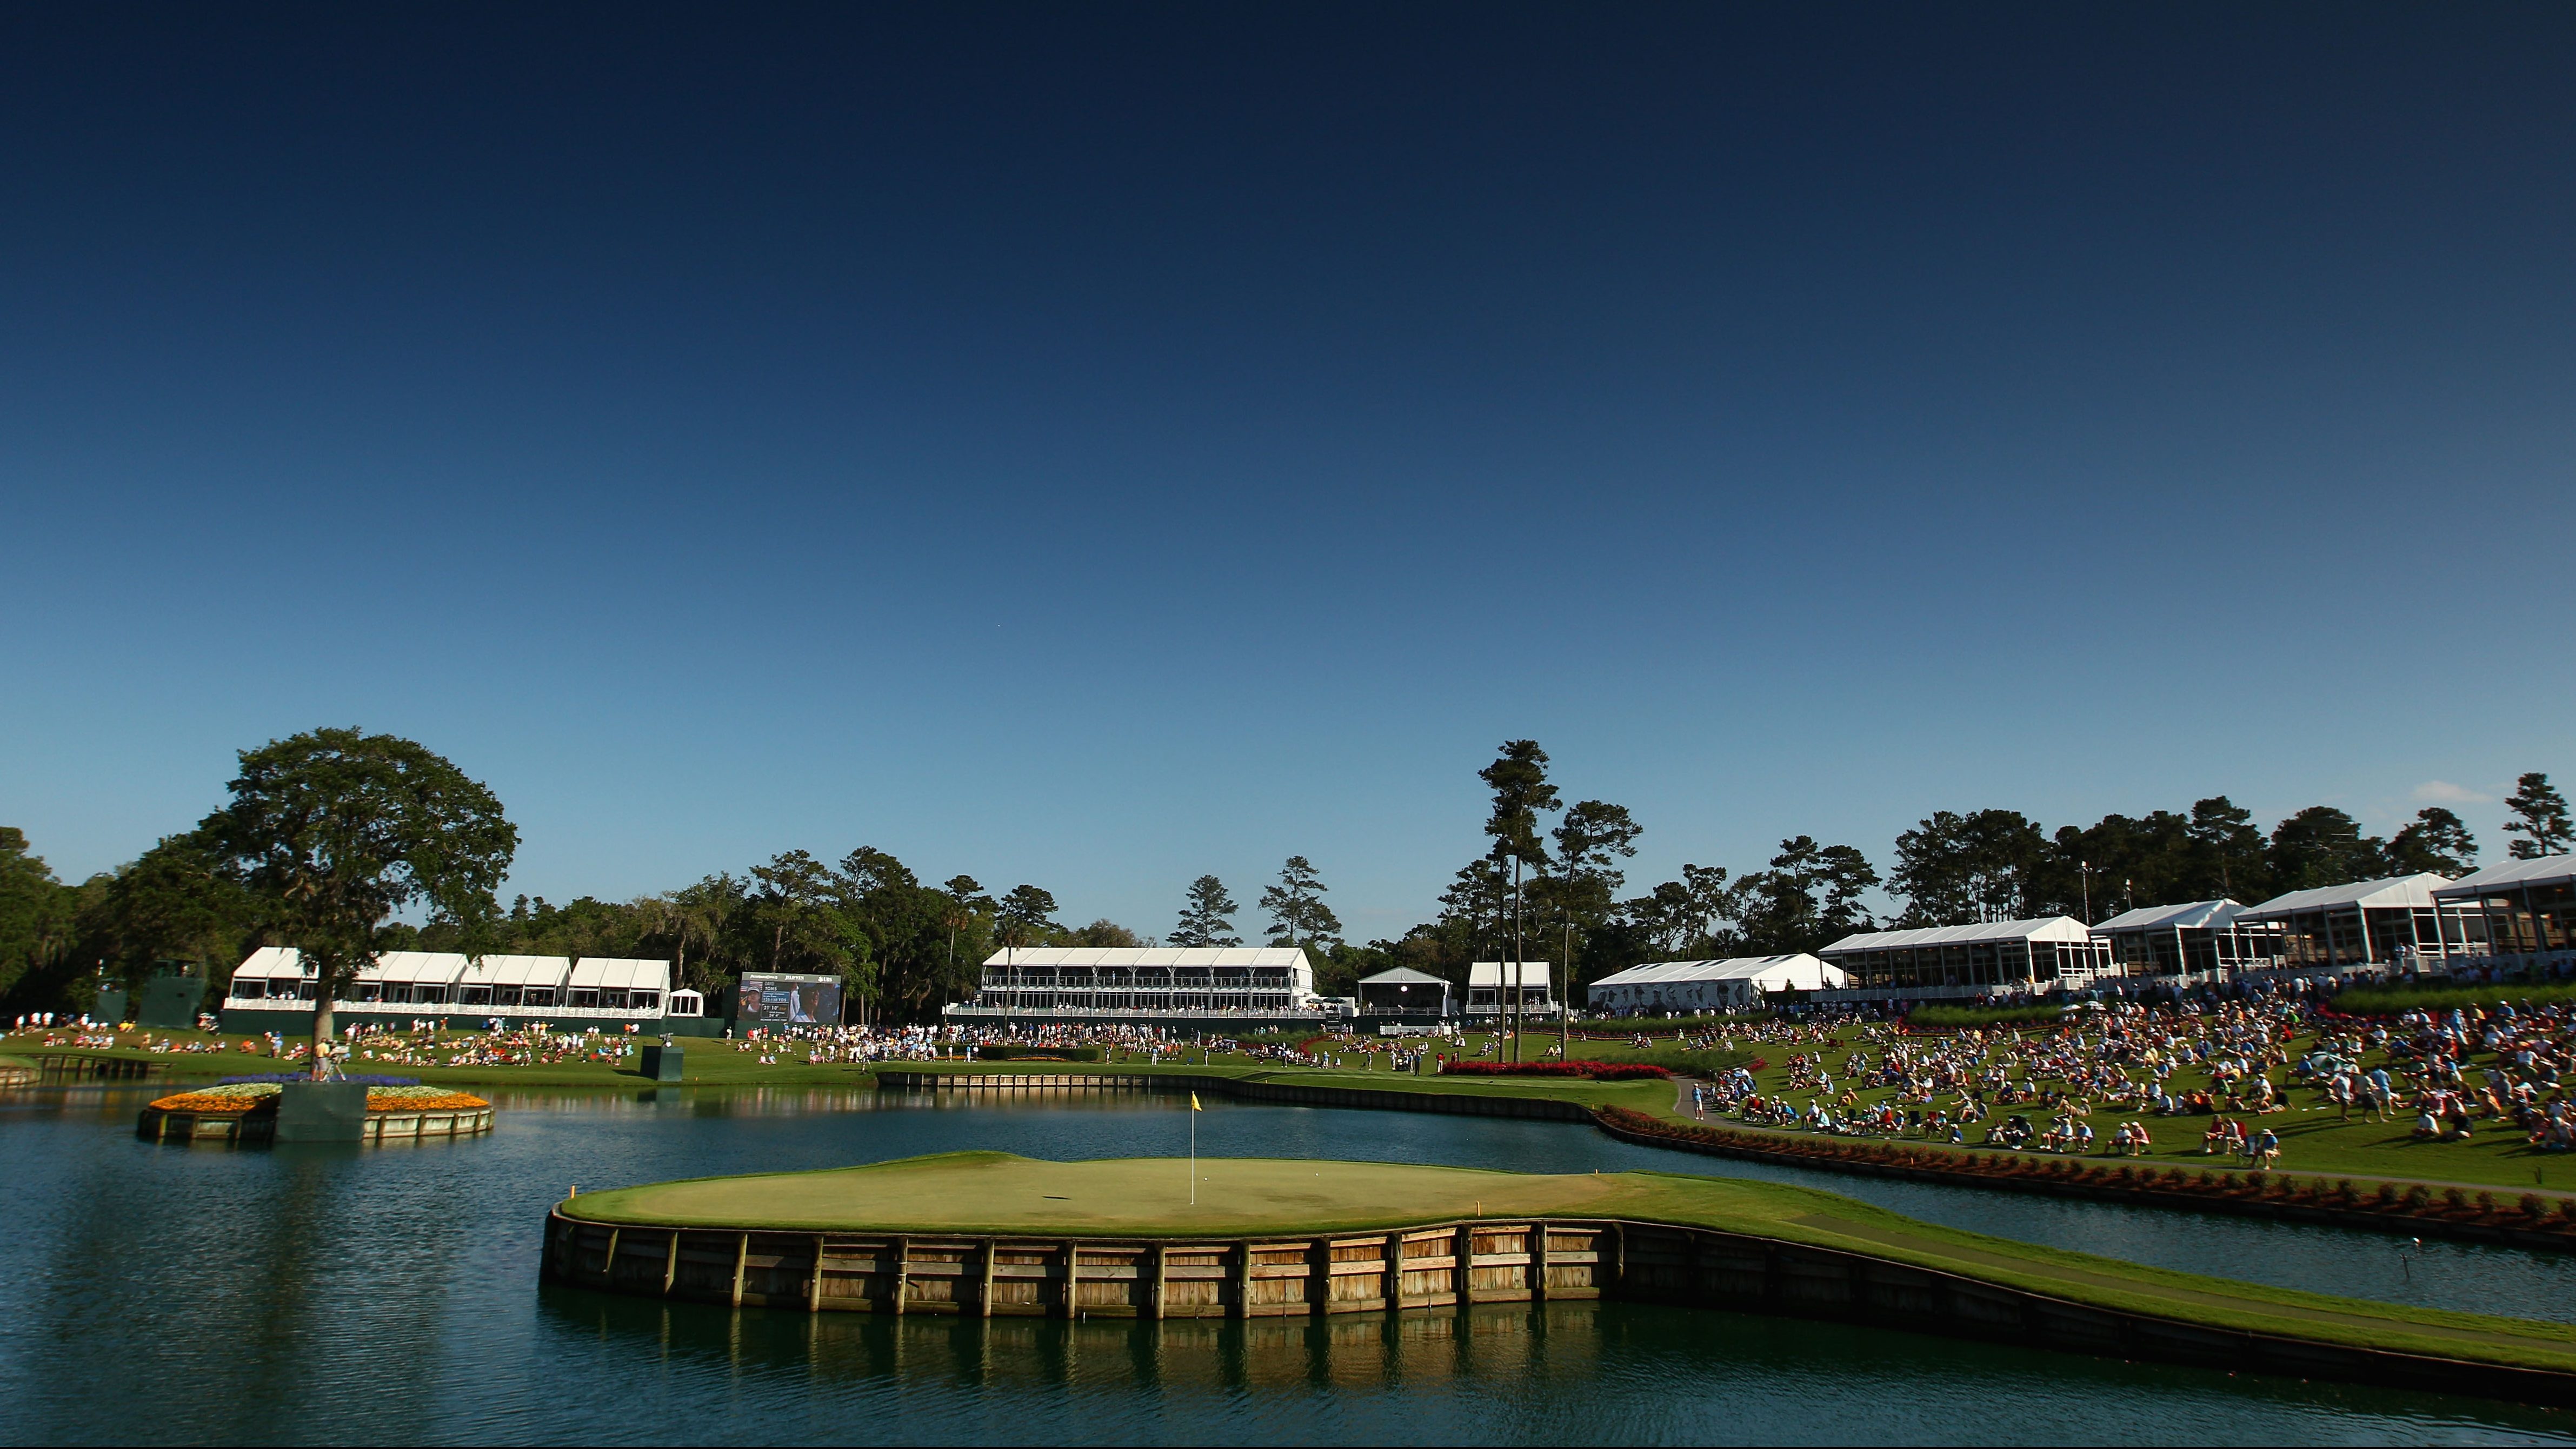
(259,1095)
(1597,1071)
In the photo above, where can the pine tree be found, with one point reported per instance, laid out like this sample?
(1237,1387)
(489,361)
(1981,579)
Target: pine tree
(2437,841)
(2540,818)
(1298,915)
(1207,918)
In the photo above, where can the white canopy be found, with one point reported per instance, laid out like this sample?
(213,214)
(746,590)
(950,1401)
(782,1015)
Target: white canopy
(2511,876)
(2197,915)
(619,973)
(269,962)
(2395,892)
(1504,973)
(1796,966)
(2040,928)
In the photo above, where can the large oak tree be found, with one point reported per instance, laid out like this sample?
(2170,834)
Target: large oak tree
(335,831)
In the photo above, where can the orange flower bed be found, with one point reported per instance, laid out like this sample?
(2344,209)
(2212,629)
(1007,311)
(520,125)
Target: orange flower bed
(443,1102)
(209,1102)
(399,1100)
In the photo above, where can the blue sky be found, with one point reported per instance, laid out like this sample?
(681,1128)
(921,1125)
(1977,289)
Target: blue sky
(1099,445)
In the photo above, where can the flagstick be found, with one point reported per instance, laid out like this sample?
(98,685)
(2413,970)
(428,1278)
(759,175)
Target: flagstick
(1194,1151)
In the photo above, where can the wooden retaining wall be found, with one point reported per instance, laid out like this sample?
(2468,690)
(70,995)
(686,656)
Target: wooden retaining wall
(75,1066)
(1444,1265)
(156,1125)
(1384,1099)
(13,1074)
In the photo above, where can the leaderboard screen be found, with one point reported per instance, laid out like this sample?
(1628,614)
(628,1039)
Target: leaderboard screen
(776,999)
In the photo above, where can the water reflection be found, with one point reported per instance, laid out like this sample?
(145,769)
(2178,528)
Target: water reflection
(320,1292)
(1571,1372)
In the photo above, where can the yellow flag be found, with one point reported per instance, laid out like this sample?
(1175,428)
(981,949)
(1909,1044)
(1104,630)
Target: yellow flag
(1194,1101)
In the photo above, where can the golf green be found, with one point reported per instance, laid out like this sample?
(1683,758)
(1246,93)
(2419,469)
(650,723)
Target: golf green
(996,1195)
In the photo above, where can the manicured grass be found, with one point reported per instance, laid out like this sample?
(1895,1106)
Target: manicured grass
(982,1192)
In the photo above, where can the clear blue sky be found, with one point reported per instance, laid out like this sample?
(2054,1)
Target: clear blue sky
(1096,445)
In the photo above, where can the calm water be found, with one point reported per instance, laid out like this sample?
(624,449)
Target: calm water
(322,1293)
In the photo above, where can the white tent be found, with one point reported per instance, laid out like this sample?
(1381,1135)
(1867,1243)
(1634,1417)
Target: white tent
(1689,986)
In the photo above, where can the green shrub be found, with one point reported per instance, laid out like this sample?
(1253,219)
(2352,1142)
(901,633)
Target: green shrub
(2533,1206)
(1960,1018)
(2389,1000)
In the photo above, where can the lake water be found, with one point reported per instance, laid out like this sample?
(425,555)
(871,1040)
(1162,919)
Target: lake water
(298,1294)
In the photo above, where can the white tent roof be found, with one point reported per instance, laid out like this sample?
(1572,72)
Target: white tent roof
(1493,973)
(1403,976)
(1133,956)
(2510,876)
(517,971)
(2042,928)
(270,961)
(2396,890)
(1733,968)
(416,966)
(620,973)
(2196,915)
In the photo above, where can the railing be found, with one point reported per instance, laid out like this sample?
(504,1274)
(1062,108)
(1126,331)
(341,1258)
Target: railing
(453,1008)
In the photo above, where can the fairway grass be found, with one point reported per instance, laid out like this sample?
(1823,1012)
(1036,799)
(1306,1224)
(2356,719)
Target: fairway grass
(988,1193)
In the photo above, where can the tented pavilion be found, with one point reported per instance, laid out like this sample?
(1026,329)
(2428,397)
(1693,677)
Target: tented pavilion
(2526,908)
(2047,953)
(2198,939)
(1695,986)
(1491,986)
(2373,925)
(1402,994)
(1180,987)
(275,986)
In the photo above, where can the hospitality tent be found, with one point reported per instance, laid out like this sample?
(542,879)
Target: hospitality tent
(1690,986)
(2391,922)
(2526,909)
(1404,992)
(2040,954)
(1490,987)
(2198,937)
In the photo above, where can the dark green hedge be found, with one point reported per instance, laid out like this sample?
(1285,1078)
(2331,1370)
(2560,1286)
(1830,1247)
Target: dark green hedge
(1960,1018)
(2389,1000)
(1038,1053)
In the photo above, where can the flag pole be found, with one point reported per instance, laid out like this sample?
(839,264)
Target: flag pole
(1194,1149)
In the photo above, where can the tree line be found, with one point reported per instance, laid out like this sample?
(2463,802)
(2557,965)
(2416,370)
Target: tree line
(312,851)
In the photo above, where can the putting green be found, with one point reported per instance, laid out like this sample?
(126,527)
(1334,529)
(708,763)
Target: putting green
(995,1193)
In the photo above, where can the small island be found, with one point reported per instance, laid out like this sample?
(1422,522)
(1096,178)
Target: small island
(248,1111)
(985,1234)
